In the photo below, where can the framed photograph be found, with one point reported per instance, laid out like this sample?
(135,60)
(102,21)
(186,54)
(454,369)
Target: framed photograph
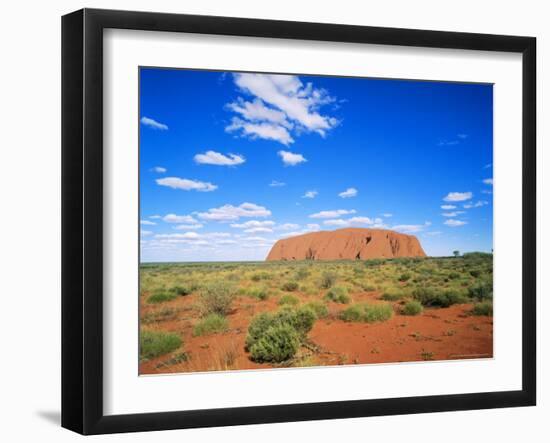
(270,221)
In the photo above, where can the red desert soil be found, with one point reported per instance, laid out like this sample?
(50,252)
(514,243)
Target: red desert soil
(348,243)
(436,334)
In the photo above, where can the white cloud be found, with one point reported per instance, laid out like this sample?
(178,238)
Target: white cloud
(280,103)
(452,214)
(186,184)
(155,216)
(253,224)
(276,184)
(186,235)
(255,239)
(147,222)
(486,191)
(144,233)
(153,124)
(257,230)
(266,131)
(488,181)
(185,227)
(173,218)
(348,193)
(477,204)
(411,228)
(291,158)
(487,166)
(159,169)
(336,222)
(310,194)
(332,214)
(448,207)
(458,196)
(454,223)
(313,227)
(231,213)
(288,226)
(387,215)
(226,242)
(216,158)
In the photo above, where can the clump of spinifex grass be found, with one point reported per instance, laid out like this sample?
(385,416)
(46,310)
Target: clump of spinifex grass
(338,294)
(155,343)
(216,298)
(210,324)
(412,307)
(483,308)
(161,296)
(368,313)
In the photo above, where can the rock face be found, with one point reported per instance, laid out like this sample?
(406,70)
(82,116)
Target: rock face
(348,243)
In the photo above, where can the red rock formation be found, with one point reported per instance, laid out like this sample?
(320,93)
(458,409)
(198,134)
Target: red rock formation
(348,243)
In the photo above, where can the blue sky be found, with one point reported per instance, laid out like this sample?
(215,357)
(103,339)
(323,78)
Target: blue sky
(232,162)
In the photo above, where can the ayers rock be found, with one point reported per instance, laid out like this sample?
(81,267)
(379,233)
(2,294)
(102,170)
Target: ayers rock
(348,243)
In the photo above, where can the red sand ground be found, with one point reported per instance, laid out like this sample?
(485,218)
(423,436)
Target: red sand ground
(436,334)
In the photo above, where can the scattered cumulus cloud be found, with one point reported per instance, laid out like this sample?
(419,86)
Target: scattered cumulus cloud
(313,226)
(145,233)
(232,213)
(333,214)
(159,169)
(452,214)
(477,204)
(348,193)
(253,224)
(448,207)
(454,223)
(216,158)
(186,184)
(291,158)
(155,216)
(488,181)
(186,227)
(278,105)
(276,184)
(458,196)
(147,222)
(146,121)
(288,226)
(411,228)
(173,218)
(310,194)
(387,214)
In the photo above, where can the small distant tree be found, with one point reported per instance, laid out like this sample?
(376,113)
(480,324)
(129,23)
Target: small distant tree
(456,253)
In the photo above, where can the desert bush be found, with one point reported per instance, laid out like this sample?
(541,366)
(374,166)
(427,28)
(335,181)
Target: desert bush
(338,294)
(260,293)
(280,342)
(328,278)
(288,299)
(368,313)
(290,324)
(483,308)
(161,296)
(404,277)
(475,273)
(412,307)
(181,290)
(216,298)
(429,296)
(302,274)
(289,286)
(210,324)
(320,309)
(153,343)
(392,294)
(482,290)
(157,316)
(260,276)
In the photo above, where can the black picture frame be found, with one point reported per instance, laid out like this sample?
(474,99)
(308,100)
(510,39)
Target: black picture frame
(82,218)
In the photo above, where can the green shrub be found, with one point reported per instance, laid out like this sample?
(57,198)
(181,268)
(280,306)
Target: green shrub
(368,313)
(378,312)
(153,343)
(289,286)
(338,294)
(280,342)
(216,298)
(261,276)
(392,294)
(475,273)
(483,308)
(302,274)
(161,296)
(482,290)
(404,277)
(328,279)
(210,324)
(276,346)
(412,307)
(436,297)
(288,299)
(320,309)
(259,293)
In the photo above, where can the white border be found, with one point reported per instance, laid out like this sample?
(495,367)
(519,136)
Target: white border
(125,392)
